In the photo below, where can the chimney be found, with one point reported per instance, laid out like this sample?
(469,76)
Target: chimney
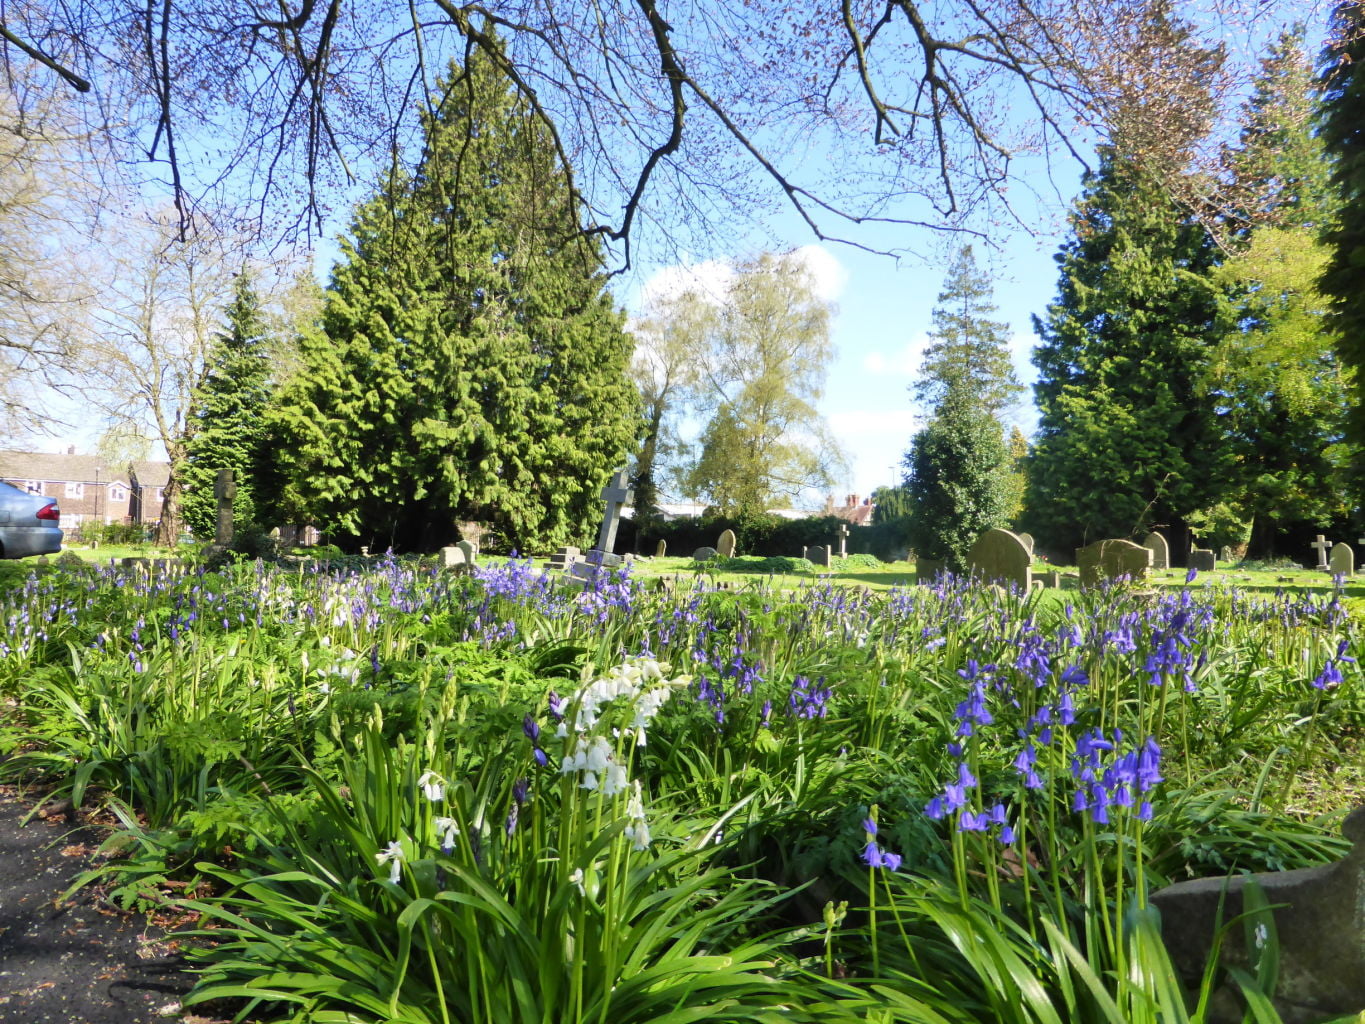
(71,449)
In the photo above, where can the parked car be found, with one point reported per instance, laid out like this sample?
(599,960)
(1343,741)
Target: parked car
(28,523)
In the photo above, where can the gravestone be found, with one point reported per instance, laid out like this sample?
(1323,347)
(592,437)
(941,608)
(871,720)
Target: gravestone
(1202,560)
(224,490)
(1319,930)
(999,556)
(660,548)
(564,558)
(1052,579)
(725,544)
(1110,559)
(704,554)
(927,569)
(1026,539)
(1161,551)
(843,540)
(615,494)
(820,555)
(606,559)
(1343,560)
(1322,545)
(452,557)
(470,549)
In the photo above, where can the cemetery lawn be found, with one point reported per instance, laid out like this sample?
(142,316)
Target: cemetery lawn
(391,792)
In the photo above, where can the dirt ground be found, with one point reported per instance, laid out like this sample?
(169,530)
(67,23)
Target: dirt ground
(80,962)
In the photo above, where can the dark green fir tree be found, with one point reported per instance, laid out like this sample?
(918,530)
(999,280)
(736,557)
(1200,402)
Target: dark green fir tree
(1129,434)
(470,364)
(1342,115)
(956,476)
(230,405)
(1281,381)
(957,467)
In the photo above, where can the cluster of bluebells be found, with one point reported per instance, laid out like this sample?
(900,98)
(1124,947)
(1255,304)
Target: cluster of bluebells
(1330,677)
(809,699)
(874,855)
(956,799)
(1107,776)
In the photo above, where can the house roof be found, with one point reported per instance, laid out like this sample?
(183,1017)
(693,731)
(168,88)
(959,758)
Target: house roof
(89,469)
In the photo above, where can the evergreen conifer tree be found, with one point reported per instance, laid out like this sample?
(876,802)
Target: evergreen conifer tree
(1284,387)
(230,404)
(1129,435)
(1343,113)
(470,364)
(966,342)
(956,475)
(957,469)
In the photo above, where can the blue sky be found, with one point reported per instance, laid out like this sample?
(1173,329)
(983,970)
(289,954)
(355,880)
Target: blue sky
(883,318)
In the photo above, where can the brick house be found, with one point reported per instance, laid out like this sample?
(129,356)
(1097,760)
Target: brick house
(87,489)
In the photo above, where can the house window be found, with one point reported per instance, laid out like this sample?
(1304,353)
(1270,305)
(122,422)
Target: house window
(33,486)
(160,493)
(74,489)
(117,492)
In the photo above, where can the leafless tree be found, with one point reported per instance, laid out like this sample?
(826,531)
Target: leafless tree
(668,114)
(150,330)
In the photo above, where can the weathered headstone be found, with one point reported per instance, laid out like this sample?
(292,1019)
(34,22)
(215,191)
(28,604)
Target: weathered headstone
(224,491)
(661,548)
(1343,560)
(615,494)
(1319,917)
(927,569)
(470,549)
(843,540)
(1322,545)
(1052,579)
(704,554)
(564,558)
(820,555)
(1202,560)
(1161,551)
(606,559)
(1026,539)
(455,556)
(999,556)
(725,544)
(1110,559)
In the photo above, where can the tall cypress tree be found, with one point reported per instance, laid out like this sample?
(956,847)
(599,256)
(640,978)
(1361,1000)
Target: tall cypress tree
(957,467)
(230,405)
(1284,387)
(1343,113)
(966,342)
(470,364)
(1129,434)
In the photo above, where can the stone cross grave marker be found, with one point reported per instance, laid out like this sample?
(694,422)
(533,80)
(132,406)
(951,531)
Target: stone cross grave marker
(1343,560)
(224,490)
(1322,545)
(725,544)
(615,494)
(1161,551)
(843,540)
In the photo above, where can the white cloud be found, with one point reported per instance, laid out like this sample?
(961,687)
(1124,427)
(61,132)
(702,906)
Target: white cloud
(902,362)
(829,274)
(712,277)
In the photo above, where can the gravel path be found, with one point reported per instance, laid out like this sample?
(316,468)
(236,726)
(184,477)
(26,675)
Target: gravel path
(78,962)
